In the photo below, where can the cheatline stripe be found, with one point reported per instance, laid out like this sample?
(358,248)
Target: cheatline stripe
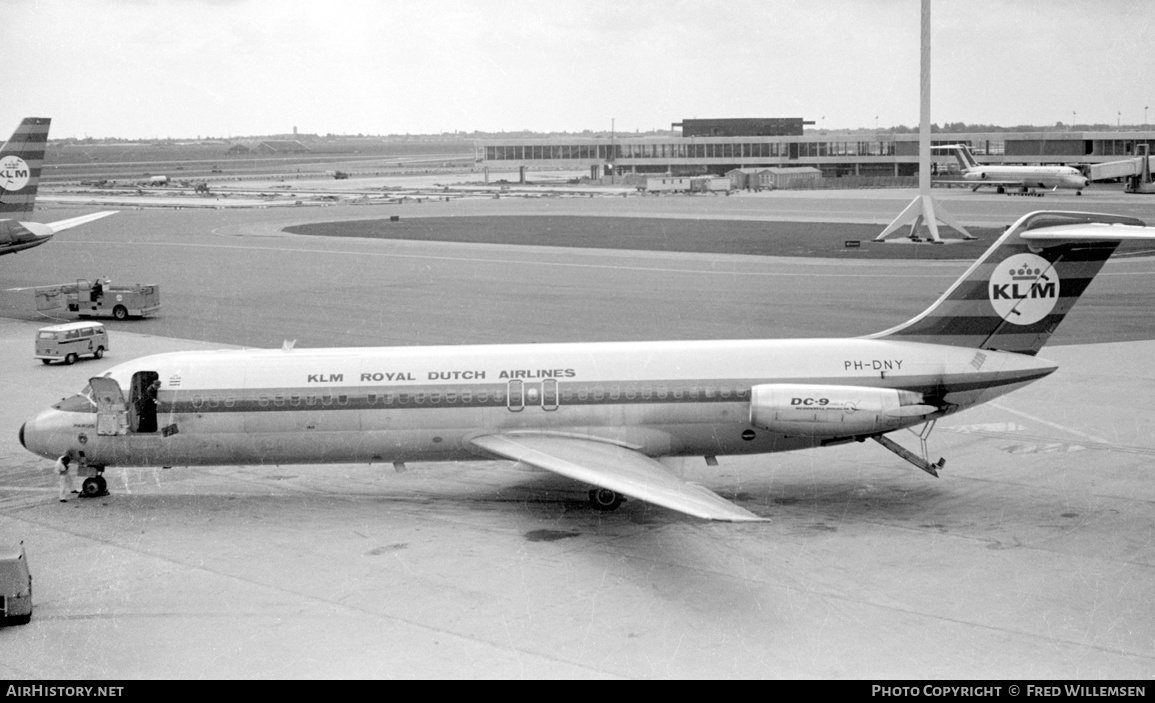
(569,394)
(982,308)
(980,290)
(34,159)
(1002,342)
(977,326)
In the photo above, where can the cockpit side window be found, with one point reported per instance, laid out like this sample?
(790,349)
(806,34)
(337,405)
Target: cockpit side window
(82,402)
(79,403)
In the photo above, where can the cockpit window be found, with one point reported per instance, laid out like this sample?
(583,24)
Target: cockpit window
(82,402)
(77,404)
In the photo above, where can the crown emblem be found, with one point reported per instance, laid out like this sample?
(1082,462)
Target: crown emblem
(1025,273)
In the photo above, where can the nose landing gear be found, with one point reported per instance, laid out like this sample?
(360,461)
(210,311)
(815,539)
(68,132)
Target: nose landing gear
(94,487)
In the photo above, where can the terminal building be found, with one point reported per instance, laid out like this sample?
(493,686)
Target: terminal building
(723,145)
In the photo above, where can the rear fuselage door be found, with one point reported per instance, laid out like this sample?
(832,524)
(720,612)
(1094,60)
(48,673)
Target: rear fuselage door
(111,412)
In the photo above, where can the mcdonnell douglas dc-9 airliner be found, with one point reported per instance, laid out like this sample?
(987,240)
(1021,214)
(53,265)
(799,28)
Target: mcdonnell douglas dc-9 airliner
(21,159)
(605,414)
(1022,177)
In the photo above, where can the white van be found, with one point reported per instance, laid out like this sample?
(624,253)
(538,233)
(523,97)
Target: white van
(69,342)
(15,585)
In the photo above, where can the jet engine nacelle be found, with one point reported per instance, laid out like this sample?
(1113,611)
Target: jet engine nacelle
(834,411)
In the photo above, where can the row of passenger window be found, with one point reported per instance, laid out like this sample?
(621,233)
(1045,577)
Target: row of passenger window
(645,393)
(343,400)
(568,395)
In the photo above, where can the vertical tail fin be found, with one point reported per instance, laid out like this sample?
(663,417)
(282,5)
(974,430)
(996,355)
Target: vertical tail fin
(1014,297)
(965,157)
(962,152)
(21,159)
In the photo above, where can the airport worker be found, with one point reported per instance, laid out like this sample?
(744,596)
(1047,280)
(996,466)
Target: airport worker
(97,290)
(64,478)
(148,408)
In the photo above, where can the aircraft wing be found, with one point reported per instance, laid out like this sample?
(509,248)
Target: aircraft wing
(616,468)
(77,221)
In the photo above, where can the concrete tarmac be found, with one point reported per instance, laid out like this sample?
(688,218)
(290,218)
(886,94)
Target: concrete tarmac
(1031,558)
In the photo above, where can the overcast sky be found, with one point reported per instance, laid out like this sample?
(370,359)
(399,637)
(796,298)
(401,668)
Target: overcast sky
(168,68)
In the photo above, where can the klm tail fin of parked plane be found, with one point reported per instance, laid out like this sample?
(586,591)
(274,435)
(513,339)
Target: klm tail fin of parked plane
(21,159)
(1014,297)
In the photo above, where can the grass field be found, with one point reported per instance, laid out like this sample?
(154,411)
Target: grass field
(814,239)
(757,238)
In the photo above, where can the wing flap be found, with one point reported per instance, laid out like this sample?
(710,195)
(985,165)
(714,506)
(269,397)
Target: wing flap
(616,468)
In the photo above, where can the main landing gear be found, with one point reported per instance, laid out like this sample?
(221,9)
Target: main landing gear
(605,500)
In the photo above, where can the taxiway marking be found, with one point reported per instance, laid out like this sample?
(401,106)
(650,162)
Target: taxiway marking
(1053,425)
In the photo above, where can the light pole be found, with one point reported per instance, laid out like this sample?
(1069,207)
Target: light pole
(923,207)
(613,161)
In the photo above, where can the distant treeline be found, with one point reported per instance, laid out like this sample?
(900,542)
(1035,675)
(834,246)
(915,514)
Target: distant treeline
(456,141)
(966,127)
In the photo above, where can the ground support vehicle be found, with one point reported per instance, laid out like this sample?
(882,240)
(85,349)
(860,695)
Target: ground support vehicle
(100,300)
(71,341)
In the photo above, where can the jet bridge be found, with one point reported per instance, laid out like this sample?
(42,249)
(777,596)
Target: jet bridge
(1135,171)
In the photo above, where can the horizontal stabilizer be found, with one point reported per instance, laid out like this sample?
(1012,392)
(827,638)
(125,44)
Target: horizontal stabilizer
(1090,232)
(1014,297)
(614,467)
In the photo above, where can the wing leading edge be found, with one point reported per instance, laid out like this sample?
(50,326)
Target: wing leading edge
(616,468)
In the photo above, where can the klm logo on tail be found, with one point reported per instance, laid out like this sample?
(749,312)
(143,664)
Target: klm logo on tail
(1012,298)
(14,173)
(1024,289)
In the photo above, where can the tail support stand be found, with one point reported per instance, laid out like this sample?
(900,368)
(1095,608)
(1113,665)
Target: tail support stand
(921,462)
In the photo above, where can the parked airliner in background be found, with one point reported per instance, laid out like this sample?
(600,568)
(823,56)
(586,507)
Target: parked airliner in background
(1022,177)
(603,413)
(21,159)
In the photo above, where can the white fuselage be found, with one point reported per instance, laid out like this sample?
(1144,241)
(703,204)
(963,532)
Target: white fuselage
(419,404)
(1029,176)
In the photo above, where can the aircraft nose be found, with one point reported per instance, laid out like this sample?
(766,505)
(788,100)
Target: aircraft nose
(48,434)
